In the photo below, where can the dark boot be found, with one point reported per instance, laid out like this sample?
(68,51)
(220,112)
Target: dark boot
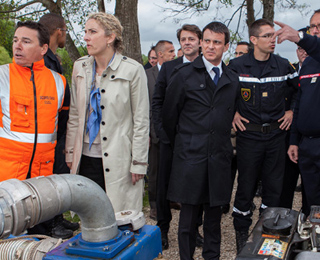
(164,241)
(58,230)
(66,224)
(241,240)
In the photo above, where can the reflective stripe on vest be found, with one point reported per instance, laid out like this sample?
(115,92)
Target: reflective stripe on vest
(5,131)
(268,79)
(27,138)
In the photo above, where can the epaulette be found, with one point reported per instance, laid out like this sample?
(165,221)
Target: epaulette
(83,57)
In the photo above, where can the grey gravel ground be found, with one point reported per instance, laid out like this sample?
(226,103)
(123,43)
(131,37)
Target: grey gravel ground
(228,244)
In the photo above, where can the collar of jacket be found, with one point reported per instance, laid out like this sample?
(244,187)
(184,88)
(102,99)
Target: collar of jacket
(53,59)
(113,66)
(39,65)
(224,79)
(250,61)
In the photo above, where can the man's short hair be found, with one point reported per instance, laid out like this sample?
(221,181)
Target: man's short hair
(244,43)
(43,33)
(152,49)
(52,22)
(161,45)
(190,28)
(315,12)
(254,28)
(218,27)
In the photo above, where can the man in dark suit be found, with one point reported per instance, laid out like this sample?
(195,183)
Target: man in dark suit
(197,114)
(189,38)
(152,59)
(291,173)
(165,52)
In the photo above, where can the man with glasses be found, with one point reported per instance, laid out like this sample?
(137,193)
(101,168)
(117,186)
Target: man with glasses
(241,49)
(152,59)
(261,121)
(305,132)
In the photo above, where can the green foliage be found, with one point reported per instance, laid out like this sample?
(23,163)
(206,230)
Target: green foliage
(67,63)
(4,56)
(144,59)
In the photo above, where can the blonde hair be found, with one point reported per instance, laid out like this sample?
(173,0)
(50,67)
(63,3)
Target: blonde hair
(110,24)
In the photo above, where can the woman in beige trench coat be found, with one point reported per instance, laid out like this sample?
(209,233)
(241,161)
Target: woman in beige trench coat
(110,147)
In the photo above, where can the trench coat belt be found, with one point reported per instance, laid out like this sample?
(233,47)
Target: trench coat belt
(265,128)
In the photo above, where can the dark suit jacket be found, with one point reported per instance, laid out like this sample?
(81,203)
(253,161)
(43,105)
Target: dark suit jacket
(159,94)
(152,74)
(197,117)
(60,165)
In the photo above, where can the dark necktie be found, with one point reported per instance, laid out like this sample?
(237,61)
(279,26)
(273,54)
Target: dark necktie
(216,77)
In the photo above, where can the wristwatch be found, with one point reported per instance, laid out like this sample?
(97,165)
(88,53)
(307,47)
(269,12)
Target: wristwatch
(301,35)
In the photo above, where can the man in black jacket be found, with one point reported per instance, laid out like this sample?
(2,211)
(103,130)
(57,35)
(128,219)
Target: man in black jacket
(305,132)
(164,51)
(58,227)
(197,113)
(189,38)
(262,121)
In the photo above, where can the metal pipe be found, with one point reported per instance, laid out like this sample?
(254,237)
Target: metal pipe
(24,204)
(23,249)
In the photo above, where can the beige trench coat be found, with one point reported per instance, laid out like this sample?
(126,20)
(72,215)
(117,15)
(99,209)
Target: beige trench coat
(124,128)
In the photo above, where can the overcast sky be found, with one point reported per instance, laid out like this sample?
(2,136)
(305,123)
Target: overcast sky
(153,28)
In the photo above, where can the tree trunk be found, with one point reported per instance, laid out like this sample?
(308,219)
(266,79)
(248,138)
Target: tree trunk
(250,12)
(268,10)
(127,12)
(101,6)
(72,49)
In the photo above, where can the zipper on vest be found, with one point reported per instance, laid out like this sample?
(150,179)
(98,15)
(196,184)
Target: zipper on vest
(254,95)
(35,122)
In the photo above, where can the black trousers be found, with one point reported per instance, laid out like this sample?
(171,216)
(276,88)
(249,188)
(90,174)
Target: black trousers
(163,205)
(92,168)
(309,163)
(189,216)
(154,154)
(258,158)
(291,175)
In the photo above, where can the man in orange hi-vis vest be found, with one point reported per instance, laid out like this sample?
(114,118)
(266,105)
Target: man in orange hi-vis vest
(30,97)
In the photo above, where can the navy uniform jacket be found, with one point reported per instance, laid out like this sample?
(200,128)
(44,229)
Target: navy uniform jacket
(263,99)
(197,117)
(60,166)
(306,117)
(163,79)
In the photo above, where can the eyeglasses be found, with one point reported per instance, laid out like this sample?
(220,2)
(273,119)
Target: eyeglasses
(153,58)
(266,36)
(63,30)
(315,26)
(240,53)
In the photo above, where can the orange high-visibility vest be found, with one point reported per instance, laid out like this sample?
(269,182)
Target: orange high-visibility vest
(30,99)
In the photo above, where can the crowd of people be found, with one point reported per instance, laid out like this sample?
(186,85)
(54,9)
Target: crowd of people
(188,123)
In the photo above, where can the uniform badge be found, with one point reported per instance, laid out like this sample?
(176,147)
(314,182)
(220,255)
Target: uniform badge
(313,80)
(264,94)
(246,93)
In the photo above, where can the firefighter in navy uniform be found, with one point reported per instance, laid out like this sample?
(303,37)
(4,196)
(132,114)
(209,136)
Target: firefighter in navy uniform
(262,121)
(305,132)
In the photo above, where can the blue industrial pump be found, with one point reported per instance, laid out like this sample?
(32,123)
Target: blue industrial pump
(105,235)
